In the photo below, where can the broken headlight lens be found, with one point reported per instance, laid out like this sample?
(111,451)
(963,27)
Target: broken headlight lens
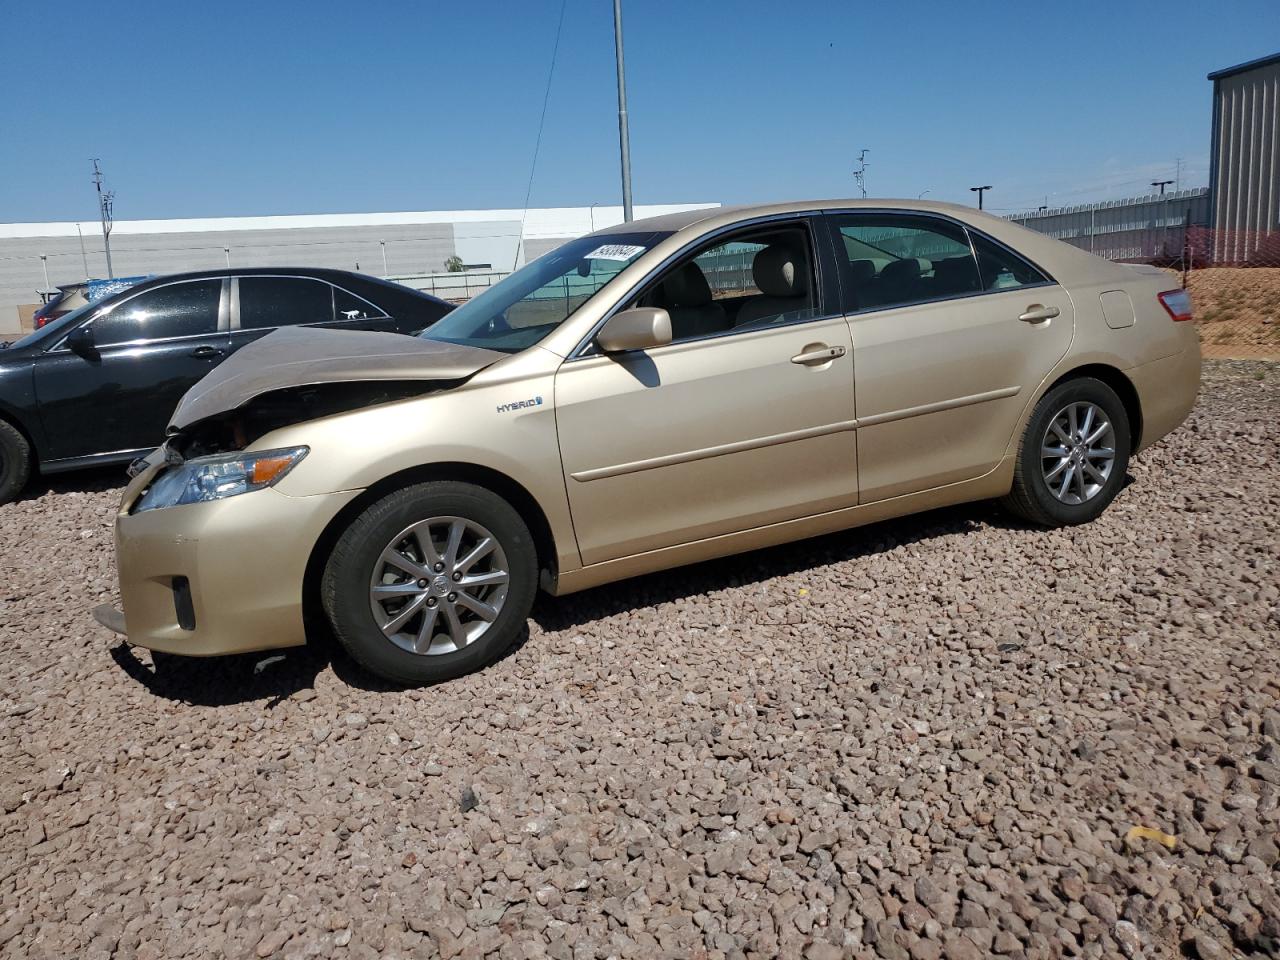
(218,477)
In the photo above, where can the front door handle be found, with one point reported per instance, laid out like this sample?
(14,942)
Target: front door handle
(1037,313)
(206,353)
(817,355)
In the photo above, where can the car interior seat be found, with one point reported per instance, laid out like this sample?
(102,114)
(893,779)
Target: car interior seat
(782,277)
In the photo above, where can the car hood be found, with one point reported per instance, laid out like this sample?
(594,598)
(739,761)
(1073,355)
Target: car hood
(299,357)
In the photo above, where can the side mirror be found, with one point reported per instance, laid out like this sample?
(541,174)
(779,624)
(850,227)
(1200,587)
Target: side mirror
(636,329)
(80,342)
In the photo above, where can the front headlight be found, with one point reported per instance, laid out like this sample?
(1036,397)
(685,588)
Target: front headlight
(216,478)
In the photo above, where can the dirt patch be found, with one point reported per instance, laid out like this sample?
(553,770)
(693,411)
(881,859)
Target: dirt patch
(1238,307)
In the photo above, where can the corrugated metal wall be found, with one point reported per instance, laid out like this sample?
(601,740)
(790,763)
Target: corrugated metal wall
(1245,162)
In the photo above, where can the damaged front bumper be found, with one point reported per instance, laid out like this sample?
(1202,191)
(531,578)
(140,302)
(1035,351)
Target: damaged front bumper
(218,577)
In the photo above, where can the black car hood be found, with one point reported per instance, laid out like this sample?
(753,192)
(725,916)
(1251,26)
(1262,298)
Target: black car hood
(298,356)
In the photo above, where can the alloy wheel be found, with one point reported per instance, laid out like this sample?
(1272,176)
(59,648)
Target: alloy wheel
(1078,452)
(439,585)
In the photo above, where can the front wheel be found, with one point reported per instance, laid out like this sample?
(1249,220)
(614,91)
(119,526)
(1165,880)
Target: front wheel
(1073,455)
(15,462)
(431,582)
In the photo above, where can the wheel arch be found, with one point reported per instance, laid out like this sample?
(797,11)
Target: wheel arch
(493,480)
(1116,379)
(9,416)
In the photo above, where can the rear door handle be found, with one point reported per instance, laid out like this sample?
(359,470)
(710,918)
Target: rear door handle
(206,353)
(1036,313)
(818,355)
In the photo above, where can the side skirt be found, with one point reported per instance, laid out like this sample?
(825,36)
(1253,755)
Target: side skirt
(94,460)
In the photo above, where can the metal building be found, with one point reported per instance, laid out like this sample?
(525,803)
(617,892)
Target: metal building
(35,256)
(1244,161)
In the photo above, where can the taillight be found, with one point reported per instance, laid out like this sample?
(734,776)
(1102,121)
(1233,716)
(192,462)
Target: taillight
(1177,303)
(41,321)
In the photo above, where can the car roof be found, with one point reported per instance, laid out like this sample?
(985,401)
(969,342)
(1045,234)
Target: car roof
(729,214)
(328,273)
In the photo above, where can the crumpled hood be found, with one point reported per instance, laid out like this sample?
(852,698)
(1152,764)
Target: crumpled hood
(302,356)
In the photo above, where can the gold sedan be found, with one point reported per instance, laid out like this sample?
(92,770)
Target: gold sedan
(658,393)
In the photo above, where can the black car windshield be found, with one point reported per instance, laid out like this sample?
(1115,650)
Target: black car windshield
(523,308)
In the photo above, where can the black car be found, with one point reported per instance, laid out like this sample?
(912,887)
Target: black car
(98,385)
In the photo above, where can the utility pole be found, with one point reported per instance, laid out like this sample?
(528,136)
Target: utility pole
(1177,174)
(860,175)
(105,200)
(980,191)
(624,136)
(84,257)
(1161,184)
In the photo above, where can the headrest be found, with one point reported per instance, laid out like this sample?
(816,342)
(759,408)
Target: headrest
(862,270)
(956,271)
(778,272)
(908,268)
(687,287)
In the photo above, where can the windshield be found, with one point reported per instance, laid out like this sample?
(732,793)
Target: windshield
(526,306)
(51,328)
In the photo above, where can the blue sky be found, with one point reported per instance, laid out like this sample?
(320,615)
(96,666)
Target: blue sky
(238,108)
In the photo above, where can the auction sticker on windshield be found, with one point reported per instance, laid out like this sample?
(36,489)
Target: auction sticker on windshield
(614,251)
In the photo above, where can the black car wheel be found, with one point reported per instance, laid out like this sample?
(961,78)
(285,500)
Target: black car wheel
(1073,455)
(15,462)
(431,582)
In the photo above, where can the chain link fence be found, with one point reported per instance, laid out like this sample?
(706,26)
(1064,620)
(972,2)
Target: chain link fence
(1233,277)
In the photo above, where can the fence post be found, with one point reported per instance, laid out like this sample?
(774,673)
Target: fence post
(1092,208)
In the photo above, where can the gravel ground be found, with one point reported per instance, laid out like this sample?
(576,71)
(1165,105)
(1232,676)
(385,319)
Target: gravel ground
(928,738)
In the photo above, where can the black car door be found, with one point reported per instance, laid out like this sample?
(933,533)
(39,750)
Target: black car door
(260,304)
(148,348)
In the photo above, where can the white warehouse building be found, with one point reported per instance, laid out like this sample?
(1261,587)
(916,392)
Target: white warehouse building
(415,246)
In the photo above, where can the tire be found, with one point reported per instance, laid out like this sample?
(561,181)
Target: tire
(15,462)
(1040,500)
(457,639)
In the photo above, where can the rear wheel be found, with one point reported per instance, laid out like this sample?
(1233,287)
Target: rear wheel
(431,582)
(15,462)
(1073,455)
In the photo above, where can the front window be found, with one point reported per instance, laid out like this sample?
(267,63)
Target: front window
(522,309)
(173,310)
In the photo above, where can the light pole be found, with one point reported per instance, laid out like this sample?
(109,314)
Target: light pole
(1164,226)
(920,195)
(226,252)
(383,245)
(624,136)
(84,257)
(104,209)
(980,191)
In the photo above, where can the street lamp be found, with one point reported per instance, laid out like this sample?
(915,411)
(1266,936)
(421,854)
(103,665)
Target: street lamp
(980,191)
(624,135)
(1161,184)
